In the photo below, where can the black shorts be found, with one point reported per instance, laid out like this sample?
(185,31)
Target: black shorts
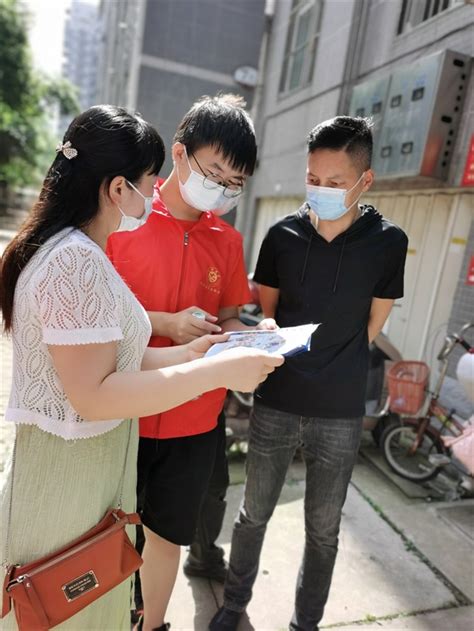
(173,477)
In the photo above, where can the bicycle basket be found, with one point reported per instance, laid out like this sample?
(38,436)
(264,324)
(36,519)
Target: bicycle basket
(407,381)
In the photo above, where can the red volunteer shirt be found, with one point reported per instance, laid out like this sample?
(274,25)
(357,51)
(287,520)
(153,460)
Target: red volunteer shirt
(171,265)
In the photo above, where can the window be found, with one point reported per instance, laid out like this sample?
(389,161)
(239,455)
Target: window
(396,101)
(301,43)
(415,12)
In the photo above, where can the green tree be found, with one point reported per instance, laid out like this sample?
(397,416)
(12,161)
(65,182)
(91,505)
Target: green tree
(24,99)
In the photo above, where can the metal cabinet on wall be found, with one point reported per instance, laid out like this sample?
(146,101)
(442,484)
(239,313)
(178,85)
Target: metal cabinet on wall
(416,111)
(369,99)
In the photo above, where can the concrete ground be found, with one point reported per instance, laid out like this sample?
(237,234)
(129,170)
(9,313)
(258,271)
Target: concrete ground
(401,565)
(405,559)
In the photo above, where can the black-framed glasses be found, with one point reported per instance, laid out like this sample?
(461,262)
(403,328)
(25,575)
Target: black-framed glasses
(212,181)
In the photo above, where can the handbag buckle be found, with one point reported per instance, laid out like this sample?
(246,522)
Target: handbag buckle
(16,581)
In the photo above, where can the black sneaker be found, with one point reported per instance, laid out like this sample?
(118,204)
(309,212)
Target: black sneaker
(136,614)
(139,626)
(225,620)
(216,571)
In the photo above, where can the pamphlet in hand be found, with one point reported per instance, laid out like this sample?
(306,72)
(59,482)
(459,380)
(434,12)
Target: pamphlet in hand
(287,341)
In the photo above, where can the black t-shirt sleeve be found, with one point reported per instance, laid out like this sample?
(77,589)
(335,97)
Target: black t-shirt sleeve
(266,269)
(390,284)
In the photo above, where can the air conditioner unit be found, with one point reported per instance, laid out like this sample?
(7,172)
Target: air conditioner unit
(416,111)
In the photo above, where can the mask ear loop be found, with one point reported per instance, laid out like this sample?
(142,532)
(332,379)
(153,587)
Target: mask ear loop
(136,189)
(351,189)
(189,165)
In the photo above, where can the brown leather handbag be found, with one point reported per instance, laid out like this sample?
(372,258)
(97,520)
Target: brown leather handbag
(53,588)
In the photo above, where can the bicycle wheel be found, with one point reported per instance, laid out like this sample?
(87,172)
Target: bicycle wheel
(391,420)
(396,447)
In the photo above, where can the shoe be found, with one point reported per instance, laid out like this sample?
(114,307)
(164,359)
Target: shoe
(216,571)
(225,620)
(139,626)
(136,614)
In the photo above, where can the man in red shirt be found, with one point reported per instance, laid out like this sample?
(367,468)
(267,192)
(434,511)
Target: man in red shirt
(186,267)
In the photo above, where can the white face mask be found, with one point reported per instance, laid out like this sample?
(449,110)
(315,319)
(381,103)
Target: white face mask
(128,222)
(194,193)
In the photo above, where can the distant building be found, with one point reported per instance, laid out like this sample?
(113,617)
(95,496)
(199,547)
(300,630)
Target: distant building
(159,56)
(81,49)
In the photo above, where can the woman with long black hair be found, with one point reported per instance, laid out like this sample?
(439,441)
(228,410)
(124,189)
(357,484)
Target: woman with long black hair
(80,363)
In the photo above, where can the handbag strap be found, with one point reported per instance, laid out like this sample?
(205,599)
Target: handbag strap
(122,477)
(5,563)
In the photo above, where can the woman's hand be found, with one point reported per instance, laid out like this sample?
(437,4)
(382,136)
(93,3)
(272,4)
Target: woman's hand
(199,347)
(243,369)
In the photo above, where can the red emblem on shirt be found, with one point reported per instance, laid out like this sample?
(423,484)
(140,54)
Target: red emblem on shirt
(213,275)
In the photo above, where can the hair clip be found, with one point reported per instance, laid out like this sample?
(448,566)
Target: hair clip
(66,149)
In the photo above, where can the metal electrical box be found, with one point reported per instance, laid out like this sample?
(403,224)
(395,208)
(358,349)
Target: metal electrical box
(417,121)
(368,99)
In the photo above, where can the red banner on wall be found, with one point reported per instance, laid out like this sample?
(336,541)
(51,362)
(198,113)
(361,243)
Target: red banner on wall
(468,177)
(470,272)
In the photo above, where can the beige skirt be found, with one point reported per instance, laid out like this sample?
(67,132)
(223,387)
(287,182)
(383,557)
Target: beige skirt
(61,489)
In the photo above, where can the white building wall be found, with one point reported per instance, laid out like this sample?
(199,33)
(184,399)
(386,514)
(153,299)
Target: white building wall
(436,215)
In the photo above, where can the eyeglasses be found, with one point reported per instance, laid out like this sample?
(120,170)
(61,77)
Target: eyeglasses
(212,181)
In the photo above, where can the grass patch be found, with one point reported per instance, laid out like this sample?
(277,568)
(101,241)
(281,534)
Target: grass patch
(369,619)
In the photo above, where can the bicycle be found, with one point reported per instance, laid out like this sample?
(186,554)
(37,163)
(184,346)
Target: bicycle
(414,449)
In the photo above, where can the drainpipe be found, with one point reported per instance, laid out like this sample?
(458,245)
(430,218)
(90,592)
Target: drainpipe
(246,215)
(360,15)
(134,63)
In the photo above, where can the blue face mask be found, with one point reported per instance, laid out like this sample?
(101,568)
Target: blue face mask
(329,203)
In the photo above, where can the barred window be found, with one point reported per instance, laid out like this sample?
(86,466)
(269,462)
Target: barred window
(414,12)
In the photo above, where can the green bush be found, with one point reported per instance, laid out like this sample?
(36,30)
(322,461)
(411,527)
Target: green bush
(25,141)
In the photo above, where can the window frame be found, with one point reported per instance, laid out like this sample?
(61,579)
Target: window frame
(298,14)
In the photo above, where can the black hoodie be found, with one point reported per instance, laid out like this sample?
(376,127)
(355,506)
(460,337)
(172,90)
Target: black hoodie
(332,283)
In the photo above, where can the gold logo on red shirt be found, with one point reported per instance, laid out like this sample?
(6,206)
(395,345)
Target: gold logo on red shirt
(213,275)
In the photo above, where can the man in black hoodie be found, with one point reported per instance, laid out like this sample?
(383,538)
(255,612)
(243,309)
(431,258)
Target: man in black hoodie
(339,263)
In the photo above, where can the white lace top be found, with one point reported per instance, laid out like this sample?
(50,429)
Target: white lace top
(68,293)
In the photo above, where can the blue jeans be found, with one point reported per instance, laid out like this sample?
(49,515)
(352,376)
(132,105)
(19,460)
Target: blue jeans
(330,449)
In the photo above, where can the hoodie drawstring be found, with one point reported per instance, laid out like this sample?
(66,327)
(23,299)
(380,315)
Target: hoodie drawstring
(339,263)
(368,218)
(308,248)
